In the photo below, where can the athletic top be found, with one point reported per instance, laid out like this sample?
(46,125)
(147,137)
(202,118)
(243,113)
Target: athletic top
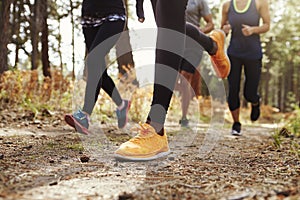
(248,47)
(195,10)
(102,8)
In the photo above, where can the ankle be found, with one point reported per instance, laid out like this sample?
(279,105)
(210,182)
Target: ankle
(159,128)
(120,107)
(84,112)
(214,49)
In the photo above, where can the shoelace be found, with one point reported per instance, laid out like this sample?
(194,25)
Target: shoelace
(81,116)
(142,130)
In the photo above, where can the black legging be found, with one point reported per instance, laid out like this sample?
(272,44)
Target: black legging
(195,42)
(169,14)
(99,40)
(252,70)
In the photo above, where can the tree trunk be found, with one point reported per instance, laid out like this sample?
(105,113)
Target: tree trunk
(4,34)
(288,80)
(44,39)
(279,94)
(18,8)
(298,85)
(73,40)
(59,45)
(266,85)
(34,35)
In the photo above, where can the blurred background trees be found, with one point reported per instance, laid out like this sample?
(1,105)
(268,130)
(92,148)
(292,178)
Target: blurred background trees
(31,39)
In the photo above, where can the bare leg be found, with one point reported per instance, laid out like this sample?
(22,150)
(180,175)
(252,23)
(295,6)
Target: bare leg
(235,115)
(186,92)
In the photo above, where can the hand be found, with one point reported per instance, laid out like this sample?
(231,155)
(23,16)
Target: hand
(141,20)
(247,30)
(226,28)
(140,10)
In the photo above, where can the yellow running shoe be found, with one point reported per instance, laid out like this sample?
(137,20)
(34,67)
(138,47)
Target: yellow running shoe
(220,60)
(146,145)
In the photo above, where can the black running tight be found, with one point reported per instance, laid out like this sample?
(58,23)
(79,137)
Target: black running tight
(252,70)
(99,40)
(170,20)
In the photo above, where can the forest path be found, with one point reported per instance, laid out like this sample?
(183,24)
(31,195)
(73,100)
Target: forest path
(205,163)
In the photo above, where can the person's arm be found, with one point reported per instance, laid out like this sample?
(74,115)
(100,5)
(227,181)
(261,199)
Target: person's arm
(263,9)
(225,26)
(140,10)
(209,26)
(205,13)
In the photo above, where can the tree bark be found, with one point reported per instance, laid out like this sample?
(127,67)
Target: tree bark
(279,93)
(4,34)
(34,29)
(73,38)
(298,86)
(266,85)
(17,9)
(44,39)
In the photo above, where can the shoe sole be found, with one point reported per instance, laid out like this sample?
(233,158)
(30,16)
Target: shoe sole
(119,157)
(127,110)
(225,55)
(78,127)
(235,133)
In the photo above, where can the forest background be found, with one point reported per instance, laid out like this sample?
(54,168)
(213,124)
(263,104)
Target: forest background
(42,52)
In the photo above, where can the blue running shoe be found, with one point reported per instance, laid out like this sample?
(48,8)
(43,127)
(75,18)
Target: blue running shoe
(79,121)
(123,114)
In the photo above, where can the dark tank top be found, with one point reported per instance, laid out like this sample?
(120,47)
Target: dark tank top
(248,47)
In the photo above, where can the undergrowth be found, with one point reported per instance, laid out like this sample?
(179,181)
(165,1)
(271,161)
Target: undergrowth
(28,91)
(289,135)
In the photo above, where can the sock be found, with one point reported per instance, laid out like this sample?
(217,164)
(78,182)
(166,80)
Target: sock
(120,107)
(87,114)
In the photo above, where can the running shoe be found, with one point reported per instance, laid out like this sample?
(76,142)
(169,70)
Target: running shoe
(236,129)
(122,114)
(255,111)
(220,61)
(146,145)
(78,120)
(184,122)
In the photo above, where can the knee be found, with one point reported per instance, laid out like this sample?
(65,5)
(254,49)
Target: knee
(250,97)
(233,105)
(233,102)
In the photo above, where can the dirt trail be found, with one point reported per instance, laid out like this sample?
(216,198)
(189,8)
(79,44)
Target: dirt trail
(204,164)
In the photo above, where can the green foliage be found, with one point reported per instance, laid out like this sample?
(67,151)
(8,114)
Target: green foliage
(289,135)
(294,122)
(51,145)
(277,139)
(282,47)
(76,146)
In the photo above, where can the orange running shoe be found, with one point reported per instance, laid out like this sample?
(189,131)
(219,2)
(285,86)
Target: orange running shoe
(146,145)
(220,60)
